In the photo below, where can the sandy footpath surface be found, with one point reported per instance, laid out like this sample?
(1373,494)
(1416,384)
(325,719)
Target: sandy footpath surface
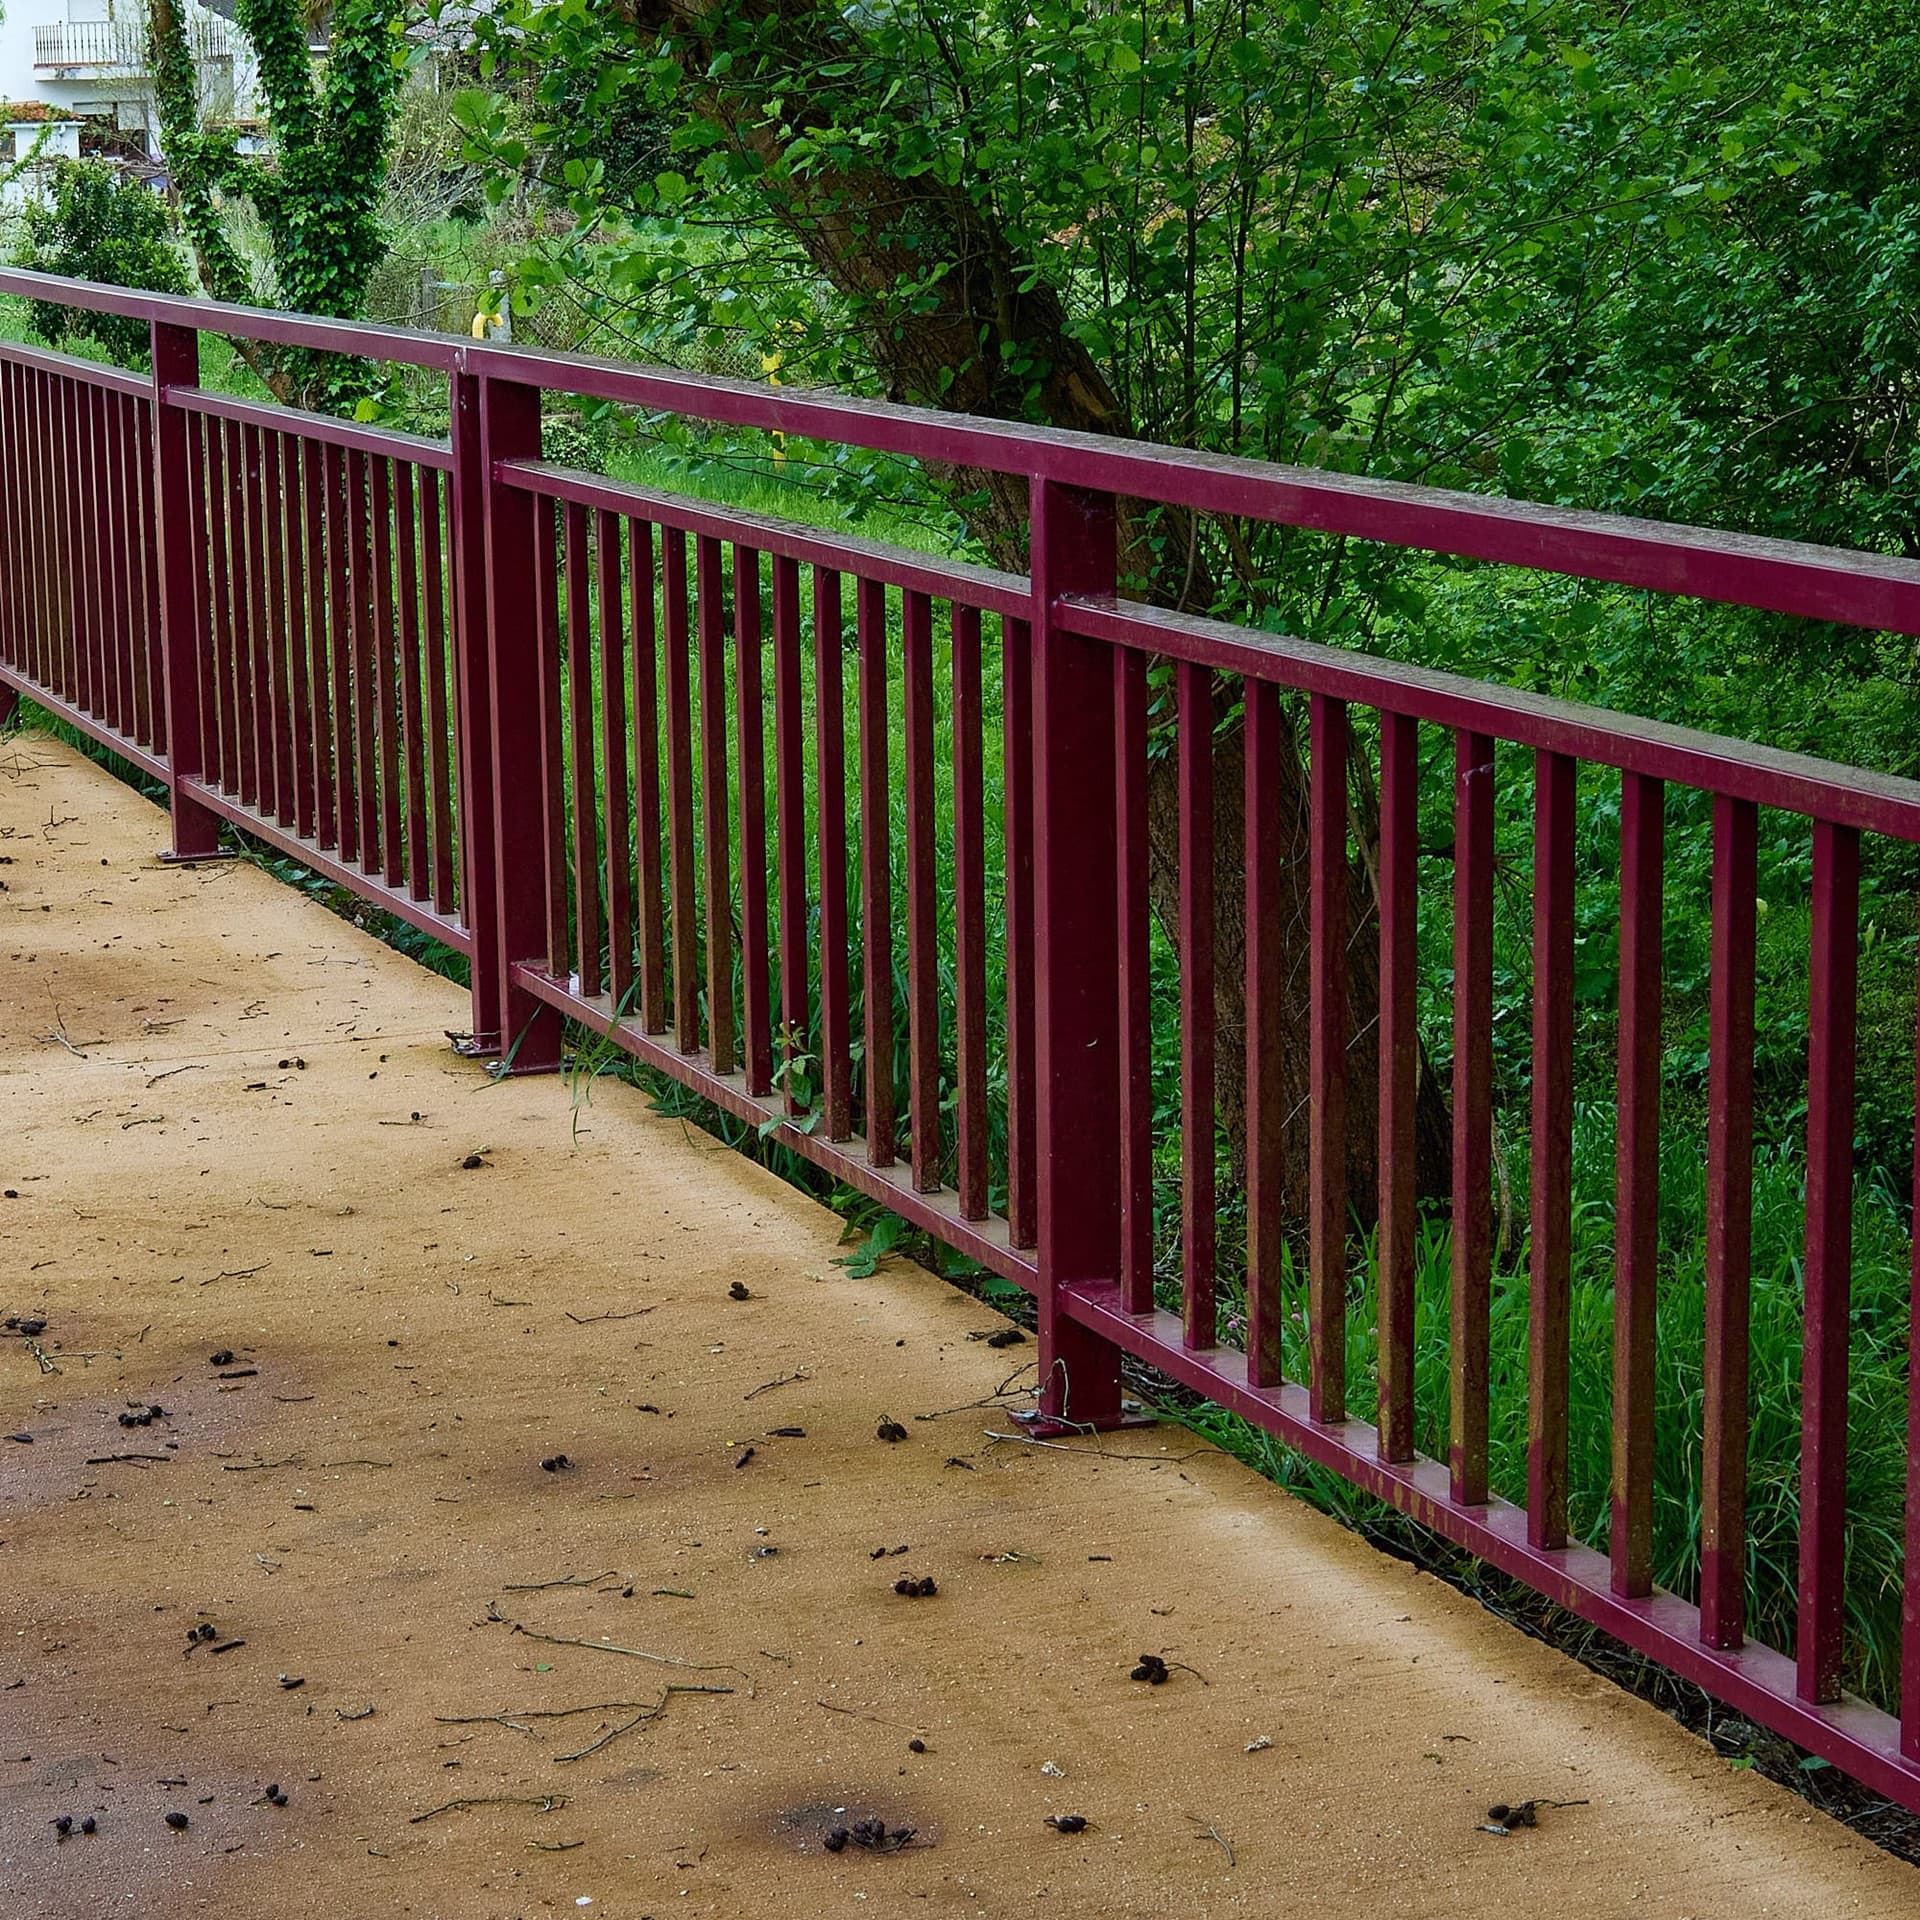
(230,1125)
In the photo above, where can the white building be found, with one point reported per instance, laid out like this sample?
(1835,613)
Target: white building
(74,80)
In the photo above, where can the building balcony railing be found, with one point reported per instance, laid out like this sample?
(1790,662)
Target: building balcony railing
(120,46)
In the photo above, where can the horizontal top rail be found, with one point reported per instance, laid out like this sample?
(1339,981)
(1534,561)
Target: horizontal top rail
(360,337)
(1822,789)
(985,588)
(69,366)
(1843,585)
(390,442)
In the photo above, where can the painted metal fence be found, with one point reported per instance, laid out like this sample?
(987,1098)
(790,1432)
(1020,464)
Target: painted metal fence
(596,739)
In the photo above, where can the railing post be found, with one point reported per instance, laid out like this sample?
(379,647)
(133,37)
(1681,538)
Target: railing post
(510,430)
(176,363)
(478,794)
(1076,954)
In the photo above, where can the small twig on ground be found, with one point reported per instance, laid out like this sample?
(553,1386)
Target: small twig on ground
(110,1459)
(785,1380)
(358,1713)
(1208,1831)
(627,1726)
(554,1846)
(632,1653)
(236,1273)
(260,1466)
(994,1399)
(192,1066)
(860,1713)
(590,1319)
(517,1719)
(565,1580)
(541,1803)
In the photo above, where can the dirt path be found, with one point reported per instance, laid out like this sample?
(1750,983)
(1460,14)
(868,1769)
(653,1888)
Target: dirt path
(233,1127)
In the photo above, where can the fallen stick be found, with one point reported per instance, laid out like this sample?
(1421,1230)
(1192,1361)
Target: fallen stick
(543,1803)
(785,1380)
(632,1654)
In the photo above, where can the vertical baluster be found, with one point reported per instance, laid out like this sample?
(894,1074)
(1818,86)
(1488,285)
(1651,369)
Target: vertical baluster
(1472,1114)
(218,529)
(1130,695)
(56,626)
(969,916)
(1327,1064)
(274,629)
(132,452)
(11,550)
(1263,744)
(386,671)
(830,721)
(709,560)
(178,535)
(923,954)
(110,565)
(1551,1266)
(365,679)
(315,512)
(790,823)
(259,647)
(33,519)
(1399,1075)
(90,533)
(552,737)
(756,993)
(1637,1184)
(55,629)
(293,506)
(99,565)
(686,955)
(1723,1423)
(146,467)
(413,747)
(77,587)
(440,771)
(117,564)
(338,628)
(613,758)
(1016,733)
(1833,984)
(580,728)
(1197,1213)
(80,583)
(876,869)
(128,449)
(193,592)
(646,775)
(13,562)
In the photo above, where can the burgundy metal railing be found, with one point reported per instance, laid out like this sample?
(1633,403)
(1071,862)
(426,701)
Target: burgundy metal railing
(598,739)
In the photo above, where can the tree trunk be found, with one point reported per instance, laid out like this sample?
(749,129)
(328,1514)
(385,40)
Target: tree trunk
(865,231)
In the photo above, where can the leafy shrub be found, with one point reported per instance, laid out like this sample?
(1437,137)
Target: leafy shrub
(96,225)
